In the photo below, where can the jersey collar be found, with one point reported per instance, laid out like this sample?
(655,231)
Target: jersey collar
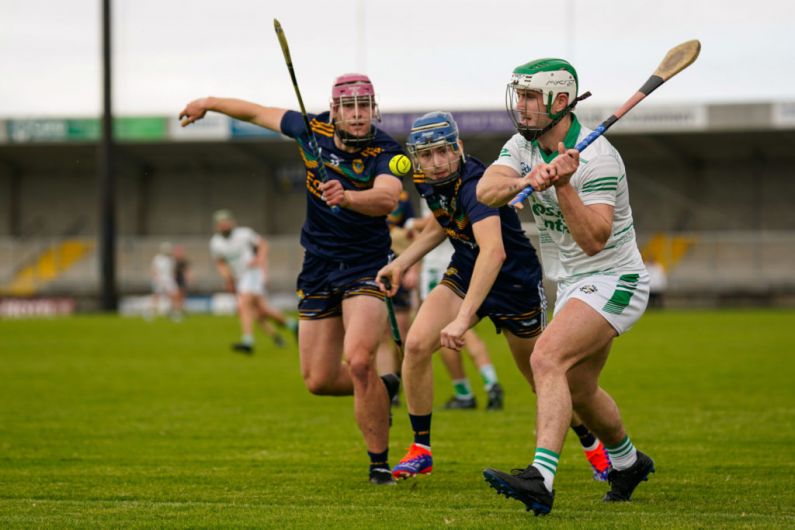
(569,141)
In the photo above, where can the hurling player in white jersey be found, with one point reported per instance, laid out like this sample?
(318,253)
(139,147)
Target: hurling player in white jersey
(581,207)
(241,258)
(163,284)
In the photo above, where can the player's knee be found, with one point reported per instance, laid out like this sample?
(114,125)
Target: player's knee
(544,362)
(415,348)
(360,364)
(316,385)
(317,380)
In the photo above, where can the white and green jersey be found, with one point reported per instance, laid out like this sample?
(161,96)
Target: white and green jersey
(600,179)
(237,250)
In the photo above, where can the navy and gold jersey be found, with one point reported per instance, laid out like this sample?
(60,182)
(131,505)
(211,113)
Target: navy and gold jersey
(346,236)
(456,208)
(403,212)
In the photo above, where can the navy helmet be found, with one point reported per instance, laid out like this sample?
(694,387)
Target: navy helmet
(432,130)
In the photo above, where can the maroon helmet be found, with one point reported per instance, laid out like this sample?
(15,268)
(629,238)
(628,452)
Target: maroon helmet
(352,100)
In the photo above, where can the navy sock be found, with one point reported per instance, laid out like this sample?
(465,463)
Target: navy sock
(422,429)
(587,439)
(379,460)
(392,384)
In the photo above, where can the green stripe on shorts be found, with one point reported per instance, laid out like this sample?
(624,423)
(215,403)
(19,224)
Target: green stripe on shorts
(622,295)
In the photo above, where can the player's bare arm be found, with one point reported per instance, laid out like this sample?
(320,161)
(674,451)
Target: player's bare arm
(262,254)
(411,280)
(488,235)
(226,274)
(590,226)
(268,117)
(427,240)
(381,199)
(420,223)
(500,184)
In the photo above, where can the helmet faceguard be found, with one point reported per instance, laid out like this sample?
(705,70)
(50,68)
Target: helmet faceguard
(549,77)
(432,135)
(352,104)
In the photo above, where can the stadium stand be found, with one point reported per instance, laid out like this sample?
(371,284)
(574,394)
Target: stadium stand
(710,186)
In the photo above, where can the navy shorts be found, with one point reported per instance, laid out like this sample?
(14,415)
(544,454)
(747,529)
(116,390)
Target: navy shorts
(515,306)
(402,299)
(324,284)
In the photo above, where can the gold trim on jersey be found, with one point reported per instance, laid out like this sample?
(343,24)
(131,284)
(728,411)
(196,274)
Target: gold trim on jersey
(310,164)
(313,184)
(371,151)
(320,127)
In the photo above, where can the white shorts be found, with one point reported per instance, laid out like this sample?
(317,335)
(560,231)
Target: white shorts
(252,281)
(620,298)
(165,286)
(430,276)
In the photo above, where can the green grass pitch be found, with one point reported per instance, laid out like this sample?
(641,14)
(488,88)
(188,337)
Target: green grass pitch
(114,422)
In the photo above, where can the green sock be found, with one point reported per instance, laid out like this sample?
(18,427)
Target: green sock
(461,388)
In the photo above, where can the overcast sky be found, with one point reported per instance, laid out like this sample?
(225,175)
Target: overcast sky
(421,54)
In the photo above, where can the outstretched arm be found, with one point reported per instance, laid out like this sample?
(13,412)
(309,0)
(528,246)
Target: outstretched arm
(226,274)
(262,255)
(268,117)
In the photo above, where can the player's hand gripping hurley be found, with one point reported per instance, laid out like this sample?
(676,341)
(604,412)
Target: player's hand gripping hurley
(676,60)
(312,141)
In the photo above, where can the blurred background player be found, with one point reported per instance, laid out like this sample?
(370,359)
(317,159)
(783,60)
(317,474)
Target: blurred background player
(658,282)
(164,288)
(342,311)
(241,258)
(434,265)
(181,278)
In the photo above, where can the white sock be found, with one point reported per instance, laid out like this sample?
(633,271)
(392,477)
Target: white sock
(593,446)
(623,455)
(489,375)
(546,462)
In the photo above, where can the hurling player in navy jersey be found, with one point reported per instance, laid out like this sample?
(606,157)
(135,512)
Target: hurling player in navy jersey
(341,308)
(494,272)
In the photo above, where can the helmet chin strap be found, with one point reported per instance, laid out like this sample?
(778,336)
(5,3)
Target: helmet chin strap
(531,135)
(351,140)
